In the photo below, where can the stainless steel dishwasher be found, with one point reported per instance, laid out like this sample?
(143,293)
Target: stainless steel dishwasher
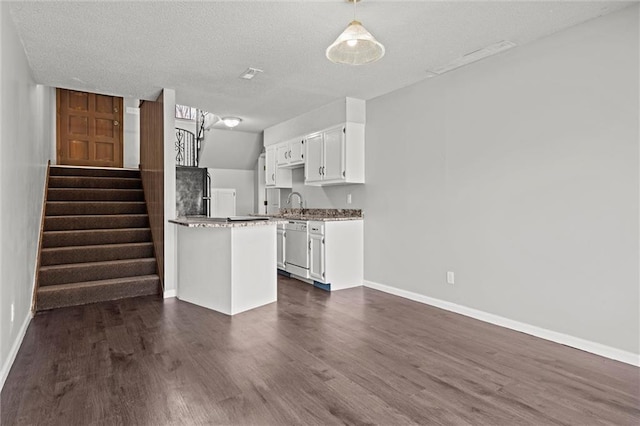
(297,248)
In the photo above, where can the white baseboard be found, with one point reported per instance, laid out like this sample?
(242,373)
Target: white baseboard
(564,339)
(6,367)
(170,293)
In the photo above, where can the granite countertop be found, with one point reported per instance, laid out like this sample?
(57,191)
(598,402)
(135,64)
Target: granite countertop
(212,222)
(321,215)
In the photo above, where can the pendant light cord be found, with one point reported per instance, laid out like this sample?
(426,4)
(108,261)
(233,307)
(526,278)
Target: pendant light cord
(355,4)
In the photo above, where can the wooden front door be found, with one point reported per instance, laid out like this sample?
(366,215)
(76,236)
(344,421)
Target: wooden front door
(89,129)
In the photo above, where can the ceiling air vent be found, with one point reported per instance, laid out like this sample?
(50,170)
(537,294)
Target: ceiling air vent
(474,56)
(249,73)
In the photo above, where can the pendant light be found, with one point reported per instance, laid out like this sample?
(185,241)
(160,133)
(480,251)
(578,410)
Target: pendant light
(356,45)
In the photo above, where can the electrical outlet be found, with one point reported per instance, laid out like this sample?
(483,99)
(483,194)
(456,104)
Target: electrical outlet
(13,313)
(451,279)
(348,198)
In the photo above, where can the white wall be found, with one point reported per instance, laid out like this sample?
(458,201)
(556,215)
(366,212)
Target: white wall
(170,232)
(243,181)
(520,174)
(340,111)
(230,149)
(25,141)
(131,118)
(189,125)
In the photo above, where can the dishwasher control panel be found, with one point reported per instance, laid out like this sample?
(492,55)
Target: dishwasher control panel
(296,225)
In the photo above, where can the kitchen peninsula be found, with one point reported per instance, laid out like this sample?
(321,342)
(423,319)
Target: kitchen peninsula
(227,266)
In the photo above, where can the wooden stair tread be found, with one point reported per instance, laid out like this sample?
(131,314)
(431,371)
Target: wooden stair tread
(100,202)
(101,263)
(89,216)
(98,246)
(110,281)
(70,231)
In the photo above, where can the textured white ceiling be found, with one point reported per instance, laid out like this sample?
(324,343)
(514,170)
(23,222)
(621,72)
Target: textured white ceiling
(134,49)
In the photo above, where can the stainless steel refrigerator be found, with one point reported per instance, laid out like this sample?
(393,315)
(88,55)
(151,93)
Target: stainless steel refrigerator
(193,191)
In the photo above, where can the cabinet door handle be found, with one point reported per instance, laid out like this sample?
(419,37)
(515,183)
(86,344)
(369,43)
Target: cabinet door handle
(289,153)
(344,173)
(273,177)
(320,170)
(309,245)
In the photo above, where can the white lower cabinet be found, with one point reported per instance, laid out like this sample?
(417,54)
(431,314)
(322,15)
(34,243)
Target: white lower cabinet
(281,251)
(336,259)
(316,257)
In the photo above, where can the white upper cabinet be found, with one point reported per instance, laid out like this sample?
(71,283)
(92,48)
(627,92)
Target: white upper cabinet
(276,177)
(314,161)
(331,148)
(291,154)
(335,156)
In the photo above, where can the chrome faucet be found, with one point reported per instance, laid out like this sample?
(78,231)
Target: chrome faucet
(299,198)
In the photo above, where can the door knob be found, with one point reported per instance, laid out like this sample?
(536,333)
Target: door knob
(115,122)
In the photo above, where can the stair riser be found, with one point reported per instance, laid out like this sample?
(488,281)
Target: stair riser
(61,208)
(72,171)
(94,254)
(95,272)
(63,194)
(63,223)
(65,239)
(83,296)
(94,182)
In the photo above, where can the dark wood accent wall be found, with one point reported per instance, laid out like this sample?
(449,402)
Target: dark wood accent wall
(43,214)
(152,171)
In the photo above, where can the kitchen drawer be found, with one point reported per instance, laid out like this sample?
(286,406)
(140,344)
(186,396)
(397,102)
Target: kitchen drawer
(316,228)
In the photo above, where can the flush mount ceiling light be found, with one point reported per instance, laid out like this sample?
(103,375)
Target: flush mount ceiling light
(356,45)
(231,122)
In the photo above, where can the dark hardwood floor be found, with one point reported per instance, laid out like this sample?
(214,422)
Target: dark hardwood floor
(355,356)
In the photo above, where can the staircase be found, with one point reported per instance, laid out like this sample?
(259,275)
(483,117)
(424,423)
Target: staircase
(96,241)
